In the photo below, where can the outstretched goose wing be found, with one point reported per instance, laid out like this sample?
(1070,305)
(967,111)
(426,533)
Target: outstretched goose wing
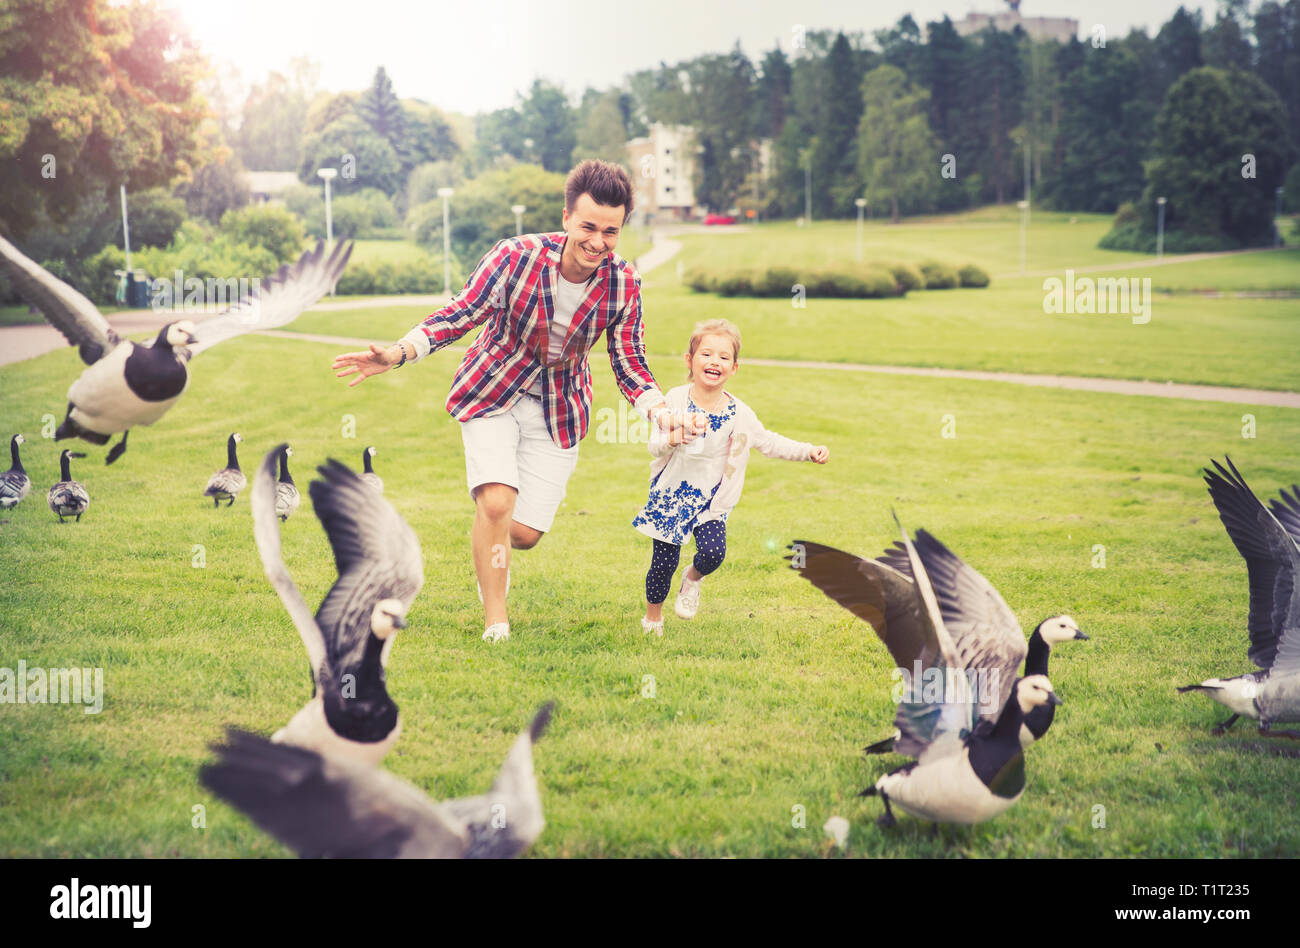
(506,820)
(279,299)
(989,642)
(1271,567)
(66,309)
(329,806)
(377,555)
(1287,510)
(266,531)
(873,591)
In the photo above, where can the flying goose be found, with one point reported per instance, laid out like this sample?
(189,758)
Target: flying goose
(380,571)
(1272,694)
(326,806)
(286,491)
(127,383)
(370,477)
(842,577)
(961,707)
(67,498)
(14,483)
(230,480)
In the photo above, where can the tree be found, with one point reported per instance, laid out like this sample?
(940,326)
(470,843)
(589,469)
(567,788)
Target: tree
(364,159)
(429,134)
(834,159)
(547,120)
(897,153)
(902,47)
(600,130)
(327,108)
(92,96)
(272,124)
(722,96)
(1277,37)
(1178,47)
(272,228)
(481,214)
(1225,44)
(218,186)
(772,94)
(380,108)
(154,217)
(1211,121)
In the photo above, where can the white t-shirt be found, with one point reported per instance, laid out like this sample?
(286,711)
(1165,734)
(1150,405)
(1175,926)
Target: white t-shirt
(568,297)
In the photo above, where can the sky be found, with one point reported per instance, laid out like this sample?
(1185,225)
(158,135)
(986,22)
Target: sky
(476,55)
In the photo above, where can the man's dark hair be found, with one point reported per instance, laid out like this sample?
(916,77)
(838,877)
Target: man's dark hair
(608,184)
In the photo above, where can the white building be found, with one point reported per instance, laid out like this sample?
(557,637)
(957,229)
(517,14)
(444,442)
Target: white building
(662,165)
(1059,29)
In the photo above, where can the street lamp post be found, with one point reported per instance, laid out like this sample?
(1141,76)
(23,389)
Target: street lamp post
(861,203)
(1160,227)
(1024,226)
(807,185)
(519,218)
(328,174)
(445,194)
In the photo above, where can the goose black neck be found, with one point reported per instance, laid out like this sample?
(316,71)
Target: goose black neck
(231,460)
(161,342)
(65,467)
(365,459)
(284,468)
(13,454)
(1039,650)
(1008,726)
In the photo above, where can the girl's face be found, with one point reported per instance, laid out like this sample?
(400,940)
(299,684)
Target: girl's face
(713,364)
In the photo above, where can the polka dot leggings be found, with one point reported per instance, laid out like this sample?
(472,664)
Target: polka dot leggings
(710,551)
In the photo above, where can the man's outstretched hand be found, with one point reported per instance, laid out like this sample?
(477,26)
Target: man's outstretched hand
(365,364)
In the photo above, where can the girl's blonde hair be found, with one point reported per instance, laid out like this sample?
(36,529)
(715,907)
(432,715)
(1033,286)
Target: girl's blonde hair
(715,327)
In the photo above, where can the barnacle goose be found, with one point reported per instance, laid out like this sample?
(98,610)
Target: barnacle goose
(127,383)
(962,716)
(330,806)
(230,480)
(286,491)
(67,498)
(1272,556)
(380,571)
(14,483)
(369,476)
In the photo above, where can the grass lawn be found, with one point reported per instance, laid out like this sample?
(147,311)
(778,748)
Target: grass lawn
(760,705)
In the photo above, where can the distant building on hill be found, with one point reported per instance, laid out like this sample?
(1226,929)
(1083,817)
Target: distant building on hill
(264,186)
(662,165)
(1059,29)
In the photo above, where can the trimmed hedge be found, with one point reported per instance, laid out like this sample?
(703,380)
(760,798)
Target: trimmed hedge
(939,276)
(873,281)
(382,278)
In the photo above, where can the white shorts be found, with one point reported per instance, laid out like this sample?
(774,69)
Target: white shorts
(514,448)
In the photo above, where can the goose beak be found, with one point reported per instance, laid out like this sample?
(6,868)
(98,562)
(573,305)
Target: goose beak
(190,339)
(399,623)
(76,454)
(1054,698)
(1080,637)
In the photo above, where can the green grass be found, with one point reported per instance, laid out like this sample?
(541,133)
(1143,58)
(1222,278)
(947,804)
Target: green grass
(761,704)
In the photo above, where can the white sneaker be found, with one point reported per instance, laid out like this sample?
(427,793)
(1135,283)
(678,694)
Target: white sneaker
(480,587)
(656,627)
(688,599)
(497,632)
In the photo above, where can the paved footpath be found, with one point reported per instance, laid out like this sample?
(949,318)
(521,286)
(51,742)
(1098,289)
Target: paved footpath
(1080,383)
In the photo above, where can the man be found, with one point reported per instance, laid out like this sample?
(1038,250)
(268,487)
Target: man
(523,391)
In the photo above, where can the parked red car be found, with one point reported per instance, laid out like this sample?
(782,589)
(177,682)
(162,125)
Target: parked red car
(718,219)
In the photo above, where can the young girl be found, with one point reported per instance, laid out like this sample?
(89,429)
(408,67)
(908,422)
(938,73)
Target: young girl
(695,480)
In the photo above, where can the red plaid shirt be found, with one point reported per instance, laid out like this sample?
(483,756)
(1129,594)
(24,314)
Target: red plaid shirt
(513,291)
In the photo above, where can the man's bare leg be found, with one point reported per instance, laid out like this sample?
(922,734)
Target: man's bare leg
(493,526)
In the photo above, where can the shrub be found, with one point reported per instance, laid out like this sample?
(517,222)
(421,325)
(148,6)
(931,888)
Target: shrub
(739,283)
(1133,237)
(154,217)
(971,275)
(938,276)
(776,281)
(907,276)
(700,281)
(1127,214)
(880,282)
(378,278)
(273,229)
(99,277)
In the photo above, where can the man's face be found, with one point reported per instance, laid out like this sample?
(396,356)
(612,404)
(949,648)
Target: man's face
(593,231)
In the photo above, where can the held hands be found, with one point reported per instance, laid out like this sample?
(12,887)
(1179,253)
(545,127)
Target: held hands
(821,454)
(681,429)
(377,360)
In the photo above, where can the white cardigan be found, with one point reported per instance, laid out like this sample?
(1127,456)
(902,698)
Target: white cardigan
(730,468)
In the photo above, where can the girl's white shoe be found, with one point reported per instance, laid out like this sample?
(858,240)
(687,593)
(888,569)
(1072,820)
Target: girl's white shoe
(688,599)
(497,632)
(656,627)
